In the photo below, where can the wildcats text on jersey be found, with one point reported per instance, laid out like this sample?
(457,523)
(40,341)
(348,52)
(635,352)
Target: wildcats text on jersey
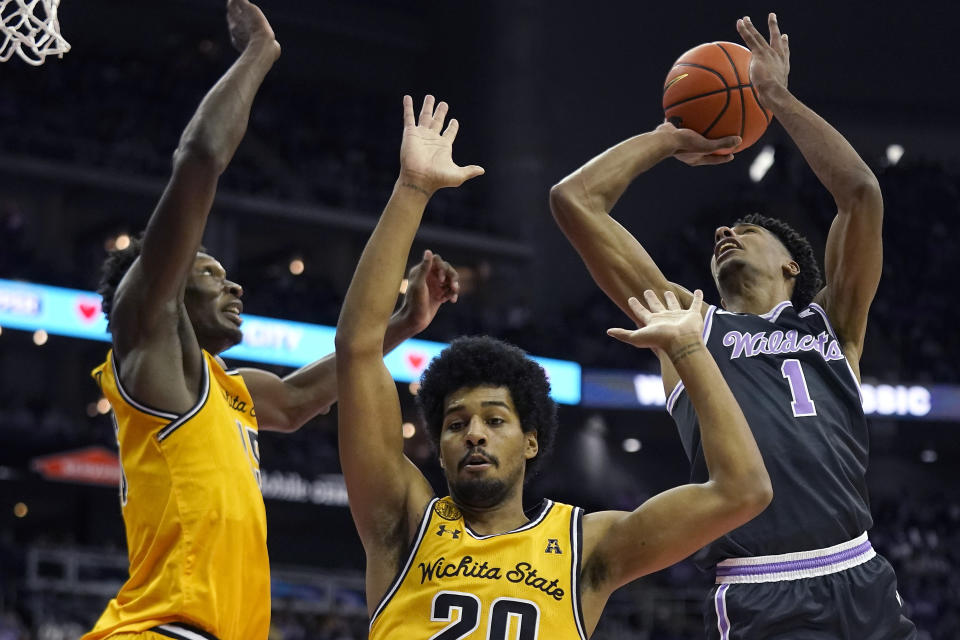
(746,344)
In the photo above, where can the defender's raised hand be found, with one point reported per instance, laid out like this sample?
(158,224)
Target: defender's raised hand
(663,328)
(426,153)
(429,284)
(248,25)
(770,63)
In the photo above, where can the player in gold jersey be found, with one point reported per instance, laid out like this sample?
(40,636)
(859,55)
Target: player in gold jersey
(186,426)
(473,565)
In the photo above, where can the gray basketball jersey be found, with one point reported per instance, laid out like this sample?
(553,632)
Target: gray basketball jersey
(802,402)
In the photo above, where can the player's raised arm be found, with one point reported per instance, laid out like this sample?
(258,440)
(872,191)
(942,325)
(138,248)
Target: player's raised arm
(622,546)
(150,295)
(854,252)
(286,404)
(387,492)
(581,204)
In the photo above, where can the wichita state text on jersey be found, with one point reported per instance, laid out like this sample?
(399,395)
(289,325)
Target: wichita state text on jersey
(457,584)
(193,512)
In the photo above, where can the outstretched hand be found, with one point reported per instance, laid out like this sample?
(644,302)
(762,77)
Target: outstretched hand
(248,25)
(430,283)
(661,328)
(770,62)
(693,149)
(426,154)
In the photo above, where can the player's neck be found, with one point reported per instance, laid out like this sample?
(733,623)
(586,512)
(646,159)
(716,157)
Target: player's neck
(500,518)
(756,305)
(755,296)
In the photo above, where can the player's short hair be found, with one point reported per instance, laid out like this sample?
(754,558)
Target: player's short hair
(113,269)
(809,280)
(484,361)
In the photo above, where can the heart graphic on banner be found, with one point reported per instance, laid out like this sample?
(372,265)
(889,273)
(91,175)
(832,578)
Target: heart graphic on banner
(88,310)
(416,360)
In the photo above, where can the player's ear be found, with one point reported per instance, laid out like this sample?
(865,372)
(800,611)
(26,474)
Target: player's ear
(723,303)
(532,446)
(791,270)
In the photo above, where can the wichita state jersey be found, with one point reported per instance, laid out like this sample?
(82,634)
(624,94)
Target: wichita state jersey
(193,512)
(456,584)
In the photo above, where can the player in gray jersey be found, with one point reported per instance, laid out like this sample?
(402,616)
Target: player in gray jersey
(789,346)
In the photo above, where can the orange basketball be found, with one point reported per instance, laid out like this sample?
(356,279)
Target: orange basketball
(709,90)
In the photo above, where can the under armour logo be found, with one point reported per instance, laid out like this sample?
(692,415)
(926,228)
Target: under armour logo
(443,529)
(553,546)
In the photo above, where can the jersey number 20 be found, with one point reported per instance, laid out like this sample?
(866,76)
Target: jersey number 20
(502,611)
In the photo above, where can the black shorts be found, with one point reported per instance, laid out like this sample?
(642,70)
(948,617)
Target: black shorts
(859,603)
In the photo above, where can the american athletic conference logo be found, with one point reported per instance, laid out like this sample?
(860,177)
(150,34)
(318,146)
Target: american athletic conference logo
(446,510)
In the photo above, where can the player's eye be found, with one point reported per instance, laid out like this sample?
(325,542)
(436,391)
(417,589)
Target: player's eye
(495,420)
(456,425)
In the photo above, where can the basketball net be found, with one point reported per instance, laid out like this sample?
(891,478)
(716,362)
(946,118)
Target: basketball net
(30,29)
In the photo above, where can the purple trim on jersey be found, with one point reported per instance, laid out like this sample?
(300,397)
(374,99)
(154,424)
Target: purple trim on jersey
(674,396)
(723,621)
(795,565)
(708,322)
(826,320)
(823,314)
(774,313)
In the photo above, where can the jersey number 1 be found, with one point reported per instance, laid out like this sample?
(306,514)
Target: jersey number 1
(501,612)
(802,405)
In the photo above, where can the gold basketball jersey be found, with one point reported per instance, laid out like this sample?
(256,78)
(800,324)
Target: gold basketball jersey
(193,512)
(458,585)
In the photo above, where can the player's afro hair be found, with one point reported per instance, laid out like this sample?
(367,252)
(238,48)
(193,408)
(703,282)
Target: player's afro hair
(809,280)
(484,361)
(113,269)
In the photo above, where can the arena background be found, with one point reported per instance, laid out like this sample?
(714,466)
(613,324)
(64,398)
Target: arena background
(539,87)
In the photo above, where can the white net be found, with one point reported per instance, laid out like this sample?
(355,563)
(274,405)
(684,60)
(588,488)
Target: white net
(30,29)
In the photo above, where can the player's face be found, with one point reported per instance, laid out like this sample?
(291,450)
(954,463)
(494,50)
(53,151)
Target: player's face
(213,304)
(483,448)
(746,246)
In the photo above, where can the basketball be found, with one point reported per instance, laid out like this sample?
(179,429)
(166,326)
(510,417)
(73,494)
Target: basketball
(708,90)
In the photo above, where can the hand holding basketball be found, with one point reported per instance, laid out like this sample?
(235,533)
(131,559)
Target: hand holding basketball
(770,61)
(693,149)
(708,90)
